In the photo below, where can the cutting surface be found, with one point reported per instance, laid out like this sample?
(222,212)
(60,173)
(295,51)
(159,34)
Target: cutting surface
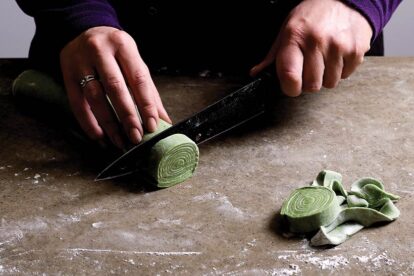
(223,221)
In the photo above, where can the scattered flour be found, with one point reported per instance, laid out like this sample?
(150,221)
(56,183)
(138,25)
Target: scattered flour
(131,261)
(150,253)
(8,271)
(382,258)
(330,263)
(252,243)
(98,224)
(73,174)
(224,207)
(76,217)
(69,218)
(308,257)
(14,231)
(335,261)
(376,260)
(361,259)
(169,222)
(92,211)
(292,270)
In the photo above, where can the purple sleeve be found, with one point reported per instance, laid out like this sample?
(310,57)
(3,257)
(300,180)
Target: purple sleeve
(58,22)
(69,18)
(377,12)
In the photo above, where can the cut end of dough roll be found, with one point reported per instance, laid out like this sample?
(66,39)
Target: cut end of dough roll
(172,160)
(308,208)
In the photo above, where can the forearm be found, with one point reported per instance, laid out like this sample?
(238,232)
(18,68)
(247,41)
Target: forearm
(377,12)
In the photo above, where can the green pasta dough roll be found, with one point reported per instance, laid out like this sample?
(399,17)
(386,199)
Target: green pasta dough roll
(172,160)
(33,87)
(337,214)
(309,208)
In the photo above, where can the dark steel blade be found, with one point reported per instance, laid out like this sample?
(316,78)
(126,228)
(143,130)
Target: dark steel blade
(236,108)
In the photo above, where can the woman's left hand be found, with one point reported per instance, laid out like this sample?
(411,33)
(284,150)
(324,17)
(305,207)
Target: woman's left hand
(319,43)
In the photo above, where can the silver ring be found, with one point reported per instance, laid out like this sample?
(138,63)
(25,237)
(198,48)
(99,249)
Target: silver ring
(87,79)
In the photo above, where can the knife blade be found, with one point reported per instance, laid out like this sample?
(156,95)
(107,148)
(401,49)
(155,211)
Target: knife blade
(233,110)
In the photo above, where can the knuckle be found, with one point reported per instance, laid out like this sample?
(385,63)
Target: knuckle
(357,56)
(147,107)
(339,45)
(140,77)
(290,82)
(367,48)
(316,38)
(130,120)
(360,59)
(289,76)
(93,43)
(119,38)
(293,30)
(113,85)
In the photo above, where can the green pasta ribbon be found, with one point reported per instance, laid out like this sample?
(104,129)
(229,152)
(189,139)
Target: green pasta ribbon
(347,213)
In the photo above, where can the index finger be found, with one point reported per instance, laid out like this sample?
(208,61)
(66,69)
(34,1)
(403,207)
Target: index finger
(115,86)
(141,85)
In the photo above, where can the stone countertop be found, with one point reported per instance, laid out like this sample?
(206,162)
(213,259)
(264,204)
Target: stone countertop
(223,221)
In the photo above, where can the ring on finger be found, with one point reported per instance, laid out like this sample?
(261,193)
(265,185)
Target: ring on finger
(87,78)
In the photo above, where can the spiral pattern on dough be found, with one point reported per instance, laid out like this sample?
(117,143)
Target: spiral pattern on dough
(308,201)
(310,207)
(175,159)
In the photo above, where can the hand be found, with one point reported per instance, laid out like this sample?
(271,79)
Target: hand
(320,43)
(112,55)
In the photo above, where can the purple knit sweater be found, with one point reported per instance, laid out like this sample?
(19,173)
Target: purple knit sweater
(71,17)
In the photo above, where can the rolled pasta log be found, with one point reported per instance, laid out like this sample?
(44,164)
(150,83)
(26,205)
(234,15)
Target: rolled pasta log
(172,160)
(309,208)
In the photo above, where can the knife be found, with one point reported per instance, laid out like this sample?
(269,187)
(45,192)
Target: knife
(240,106)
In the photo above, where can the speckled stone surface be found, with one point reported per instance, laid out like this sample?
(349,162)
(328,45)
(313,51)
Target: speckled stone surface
(56,220)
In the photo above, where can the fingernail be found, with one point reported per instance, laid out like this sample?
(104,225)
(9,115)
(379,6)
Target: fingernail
(118,141)
(135,135)
(151,124)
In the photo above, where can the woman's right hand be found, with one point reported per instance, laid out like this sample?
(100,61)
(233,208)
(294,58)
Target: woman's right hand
(112,55)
